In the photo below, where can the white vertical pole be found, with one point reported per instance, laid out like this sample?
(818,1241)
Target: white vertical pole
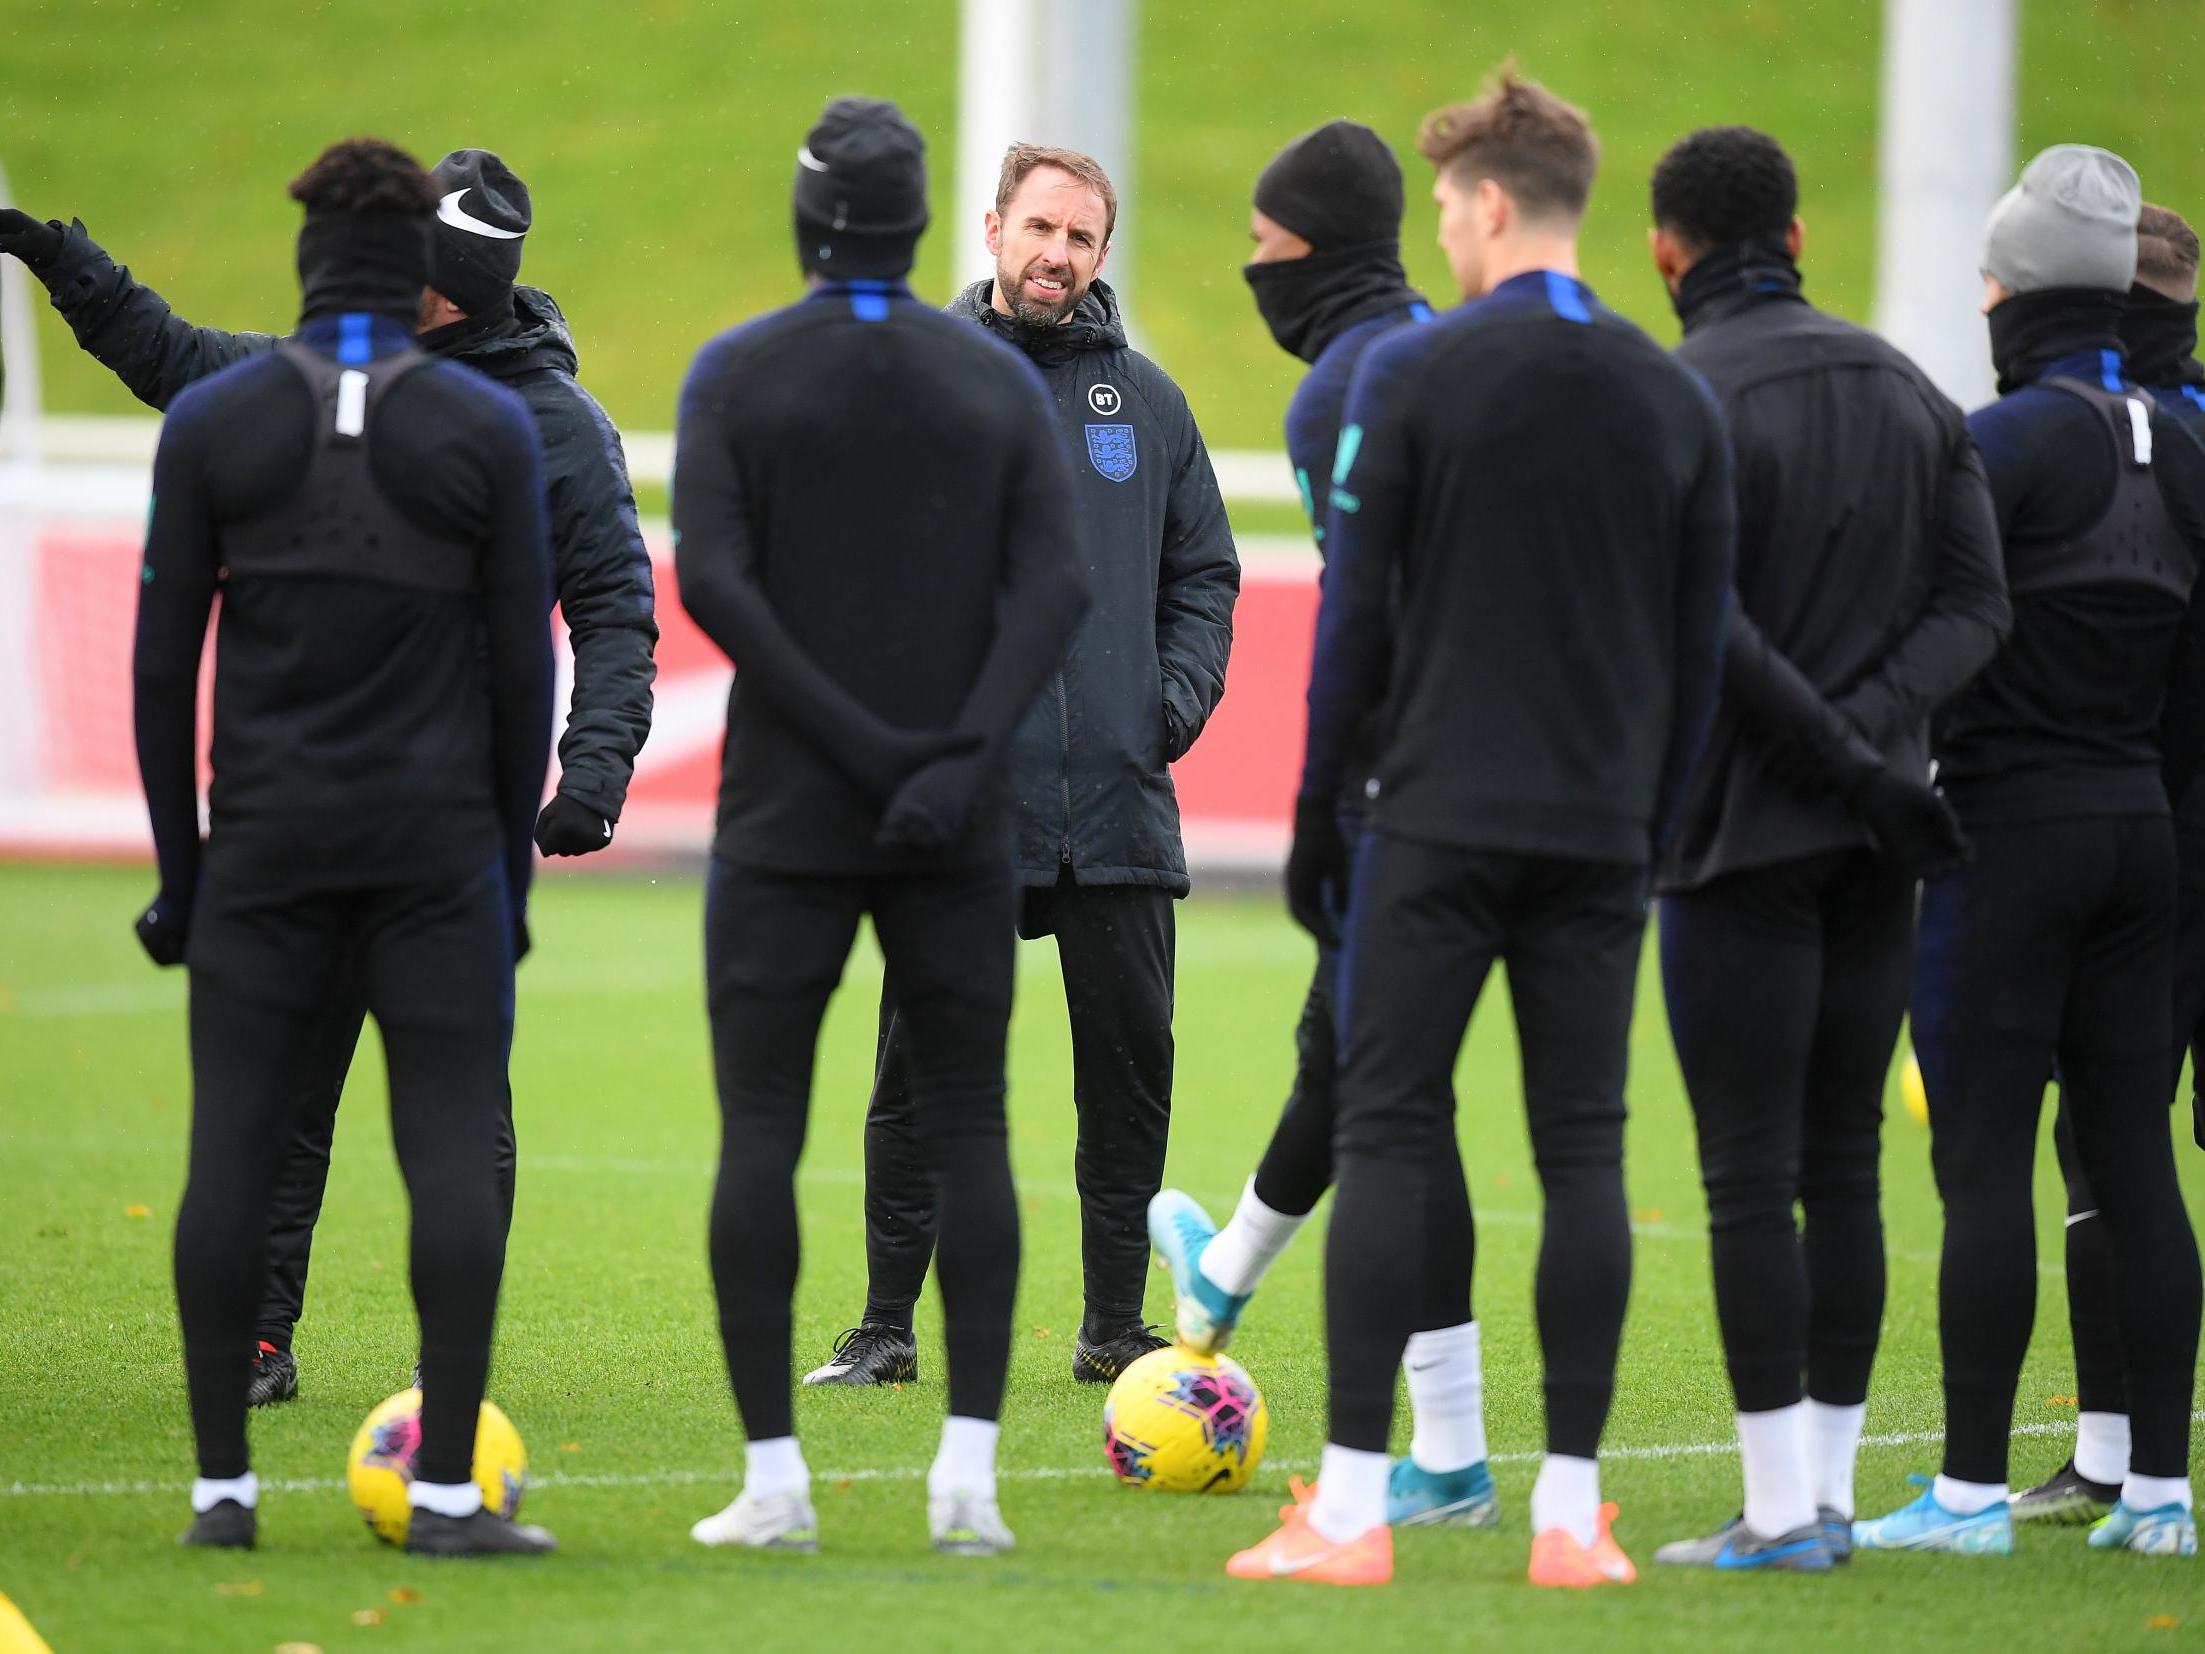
(19,388)
(1945,155)
(1049,72)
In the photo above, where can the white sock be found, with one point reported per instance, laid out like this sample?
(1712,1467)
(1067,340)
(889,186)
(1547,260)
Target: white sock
(1567,1495)
(1833,1444)
(1779,1495)
(1446,1397)
(775,1465)
(2151,1492)
(209,1491)
(1967,1498)
(1351,1493)
(1249,1244)
(965,1462)
(2101,1447)
(445,1498)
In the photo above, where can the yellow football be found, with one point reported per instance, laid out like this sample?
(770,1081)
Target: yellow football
(380,1468)
(1184,1423)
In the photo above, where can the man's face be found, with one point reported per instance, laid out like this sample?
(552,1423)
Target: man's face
(1995,293)
(1275,243)
(1466,225)
(1049,246)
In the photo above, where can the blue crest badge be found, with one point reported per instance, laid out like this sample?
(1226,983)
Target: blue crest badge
(1111,452)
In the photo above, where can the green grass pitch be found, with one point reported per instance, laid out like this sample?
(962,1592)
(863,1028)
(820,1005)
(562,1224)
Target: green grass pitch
(608,1360)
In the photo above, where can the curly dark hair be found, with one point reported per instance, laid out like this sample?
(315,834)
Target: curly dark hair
(365,175)
(1535,146)
(1723,185)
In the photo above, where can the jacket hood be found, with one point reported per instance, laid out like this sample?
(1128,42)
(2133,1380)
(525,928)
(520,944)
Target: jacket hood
(1095,323)
(534,339)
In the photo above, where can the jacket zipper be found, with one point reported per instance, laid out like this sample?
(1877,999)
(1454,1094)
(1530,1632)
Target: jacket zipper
(1064,752)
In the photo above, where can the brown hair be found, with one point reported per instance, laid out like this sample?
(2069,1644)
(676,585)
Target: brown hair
(365,175)
(2166,248)
(1020,160)
(1538,148)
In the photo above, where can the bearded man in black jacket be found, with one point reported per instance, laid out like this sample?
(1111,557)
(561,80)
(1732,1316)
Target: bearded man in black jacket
(473,312)
(1098,847)
(1868,562)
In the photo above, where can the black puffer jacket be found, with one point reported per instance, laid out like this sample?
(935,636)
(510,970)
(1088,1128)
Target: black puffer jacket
(1089,766)
(603,571)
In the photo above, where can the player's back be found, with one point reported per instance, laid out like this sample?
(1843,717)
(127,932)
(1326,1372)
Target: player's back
(358,565)
(1562,467)
(865,458)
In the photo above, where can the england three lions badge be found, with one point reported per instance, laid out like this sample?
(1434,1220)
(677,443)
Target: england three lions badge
(1112,452)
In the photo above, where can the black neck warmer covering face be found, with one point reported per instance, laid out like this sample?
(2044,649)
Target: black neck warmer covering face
(377,262)
(453,338)
(2030,331)
(2161,336)
(1732,278)
(1308,302)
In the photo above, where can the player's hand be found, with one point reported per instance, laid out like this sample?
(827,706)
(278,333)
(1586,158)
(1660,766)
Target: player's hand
(1913,824)
(930,809)
(33,240)
(1317,871)
(566,828)
(162,930)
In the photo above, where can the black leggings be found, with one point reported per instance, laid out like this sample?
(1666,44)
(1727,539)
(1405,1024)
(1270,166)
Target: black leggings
(1786,986)
(298,1200)
(775,946)
(2054,946)
(435,967)
(1115,946)
(2101,1382)
(1425,926)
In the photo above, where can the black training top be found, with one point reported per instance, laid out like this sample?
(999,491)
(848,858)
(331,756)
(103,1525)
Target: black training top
(379,716)
(2067,721)
(1868,554)
(1555,493)
(872,518)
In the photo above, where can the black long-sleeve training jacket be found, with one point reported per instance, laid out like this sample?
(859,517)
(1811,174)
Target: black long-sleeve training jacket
(602,569)
(1089,767)
(1550,496)
(872,519)
(382,712)
(1868,554)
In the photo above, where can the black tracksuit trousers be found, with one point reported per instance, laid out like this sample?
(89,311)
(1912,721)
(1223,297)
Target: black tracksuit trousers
(1786,986)
(775,946)
(2054,946)
(434,965)
(326,1060)
(2101,1385)
(1426,924)
(1115,944)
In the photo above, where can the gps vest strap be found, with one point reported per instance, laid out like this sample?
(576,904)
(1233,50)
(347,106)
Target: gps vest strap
(338,523)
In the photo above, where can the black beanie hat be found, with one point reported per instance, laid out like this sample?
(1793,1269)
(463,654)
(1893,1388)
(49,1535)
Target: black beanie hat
(481,217)
(1338,186)
(860,192)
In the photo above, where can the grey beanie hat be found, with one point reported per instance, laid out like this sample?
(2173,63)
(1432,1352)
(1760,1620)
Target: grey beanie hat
(2070,222)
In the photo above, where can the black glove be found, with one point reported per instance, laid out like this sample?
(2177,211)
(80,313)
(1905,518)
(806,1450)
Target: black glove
(33,240)
(1176,739)
(566,828)
(1913,824)
(930,809)
(1317,871)
(162,929)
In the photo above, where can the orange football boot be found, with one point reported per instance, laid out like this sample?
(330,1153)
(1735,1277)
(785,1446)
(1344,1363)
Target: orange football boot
(1299,1551)
(1558,1559)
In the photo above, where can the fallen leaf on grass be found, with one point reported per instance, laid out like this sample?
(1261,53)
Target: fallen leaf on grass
(241,1588)
(1043,1332)
(2161,1622)
(405,1596)
(298,1648)
(376,1265)
(570,1447)
(369,1616)
(1650,1214)
(843,1484)
(2060,1401)
(137,1209)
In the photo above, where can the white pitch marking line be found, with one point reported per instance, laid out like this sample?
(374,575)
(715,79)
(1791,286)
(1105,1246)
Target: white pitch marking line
(912,1473)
